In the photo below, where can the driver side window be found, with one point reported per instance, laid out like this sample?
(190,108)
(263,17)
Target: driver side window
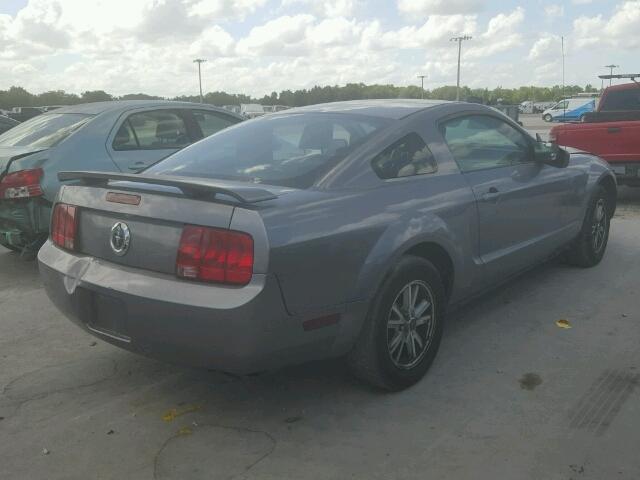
(479,142)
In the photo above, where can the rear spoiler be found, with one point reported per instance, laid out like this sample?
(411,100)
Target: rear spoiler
(191,187)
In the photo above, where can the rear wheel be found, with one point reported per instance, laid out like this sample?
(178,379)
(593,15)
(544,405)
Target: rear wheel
(588,249)
(547,117)
(402,334)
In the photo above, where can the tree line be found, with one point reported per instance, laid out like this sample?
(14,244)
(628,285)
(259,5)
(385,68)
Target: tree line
(18,96)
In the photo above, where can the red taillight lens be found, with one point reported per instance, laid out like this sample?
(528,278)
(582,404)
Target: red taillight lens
(214,255)
(22,184)
(64,226)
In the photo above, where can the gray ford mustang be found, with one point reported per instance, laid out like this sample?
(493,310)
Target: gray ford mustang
(344,229)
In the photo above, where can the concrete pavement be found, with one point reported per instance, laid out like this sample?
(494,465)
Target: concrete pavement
(510,396)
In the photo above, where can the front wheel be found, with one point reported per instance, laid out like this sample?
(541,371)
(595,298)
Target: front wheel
(588,249)
(547,117)
(402,334)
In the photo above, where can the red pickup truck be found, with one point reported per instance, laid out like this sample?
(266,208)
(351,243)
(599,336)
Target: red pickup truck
(611,132)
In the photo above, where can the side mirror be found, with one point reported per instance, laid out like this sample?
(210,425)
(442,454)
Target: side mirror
(550,154)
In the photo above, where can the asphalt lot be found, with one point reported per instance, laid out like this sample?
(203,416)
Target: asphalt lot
(510,396)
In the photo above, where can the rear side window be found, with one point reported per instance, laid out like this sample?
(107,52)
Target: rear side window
(622,100)
(159,129)
(210,122)
(407,157)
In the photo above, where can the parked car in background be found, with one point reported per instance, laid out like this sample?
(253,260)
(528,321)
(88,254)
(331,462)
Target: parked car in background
(570,109)
(22,114)
(123,136)
(7,123)
(322,231)
(612,132)
(529,107)
(251,110)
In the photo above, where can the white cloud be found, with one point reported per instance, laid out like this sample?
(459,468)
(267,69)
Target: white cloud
(327,8)
(554,11)
(257,46)
(501,35)
(423,8)
(619,31)
(283,36)
(547,46)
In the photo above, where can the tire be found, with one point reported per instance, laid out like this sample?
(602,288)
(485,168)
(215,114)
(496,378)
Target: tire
(547,118)
(375,358)
(588,249)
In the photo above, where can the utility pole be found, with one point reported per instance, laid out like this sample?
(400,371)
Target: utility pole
(421,77)
(564,113)
(459,40)
(199,61)
(611,67)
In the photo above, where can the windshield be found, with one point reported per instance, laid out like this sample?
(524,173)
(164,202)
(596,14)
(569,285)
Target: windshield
(287,150)
(43,131)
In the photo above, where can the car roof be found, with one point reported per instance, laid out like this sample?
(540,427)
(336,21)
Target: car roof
(393,108)
(623,86)
(97,108)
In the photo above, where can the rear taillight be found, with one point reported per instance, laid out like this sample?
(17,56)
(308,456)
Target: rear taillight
(22,184)
(64,226)
(215,255)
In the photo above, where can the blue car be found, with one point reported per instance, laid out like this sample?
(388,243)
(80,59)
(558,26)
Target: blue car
(122,136)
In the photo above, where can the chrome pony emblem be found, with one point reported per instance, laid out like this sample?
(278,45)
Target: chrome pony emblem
(120,238)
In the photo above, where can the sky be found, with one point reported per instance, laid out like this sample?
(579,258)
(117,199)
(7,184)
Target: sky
(259,46)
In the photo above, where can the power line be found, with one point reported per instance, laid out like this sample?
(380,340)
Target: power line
(200,61)
(459,40)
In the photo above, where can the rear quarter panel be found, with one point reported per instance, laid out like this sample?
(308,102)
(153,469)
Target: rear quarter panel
(333,245)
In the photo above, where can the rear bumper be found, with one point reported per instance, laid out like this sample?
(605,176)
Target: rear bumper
(23,220)
(237,330)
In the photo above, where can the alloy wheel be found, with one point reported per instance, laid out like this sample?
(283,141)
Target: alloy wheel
(599,226)
(411,324)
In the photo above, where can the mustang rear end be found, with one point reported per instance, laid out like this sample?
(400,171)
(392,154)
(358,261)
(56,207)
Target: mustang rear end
(194,288)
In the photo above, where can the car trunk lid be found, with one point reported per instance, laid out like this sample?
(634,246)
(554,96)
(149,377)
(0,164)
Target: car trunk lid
(155,209)
(9,154)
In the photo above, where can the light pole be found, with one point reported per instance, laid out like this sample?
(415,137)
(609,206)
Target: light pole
(564,112)
(459,40)
(199,61)
(611,67)
(421,77)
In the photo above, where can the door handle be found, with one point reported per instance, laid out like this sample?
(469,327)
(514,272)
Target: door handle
(137,166)
(614,129)
(491,195)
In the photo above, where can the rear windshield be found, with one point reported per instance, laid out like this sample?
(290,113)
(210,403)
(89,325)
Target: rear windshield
(286,150)
(44,130)
(617,100)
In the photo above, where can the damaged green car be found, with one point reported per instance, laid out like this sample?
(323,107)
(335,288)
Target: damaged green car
(121,136)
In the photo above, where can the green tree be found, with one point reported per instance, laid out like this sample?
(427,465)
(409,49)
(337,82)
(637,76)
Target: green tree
(95,96)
